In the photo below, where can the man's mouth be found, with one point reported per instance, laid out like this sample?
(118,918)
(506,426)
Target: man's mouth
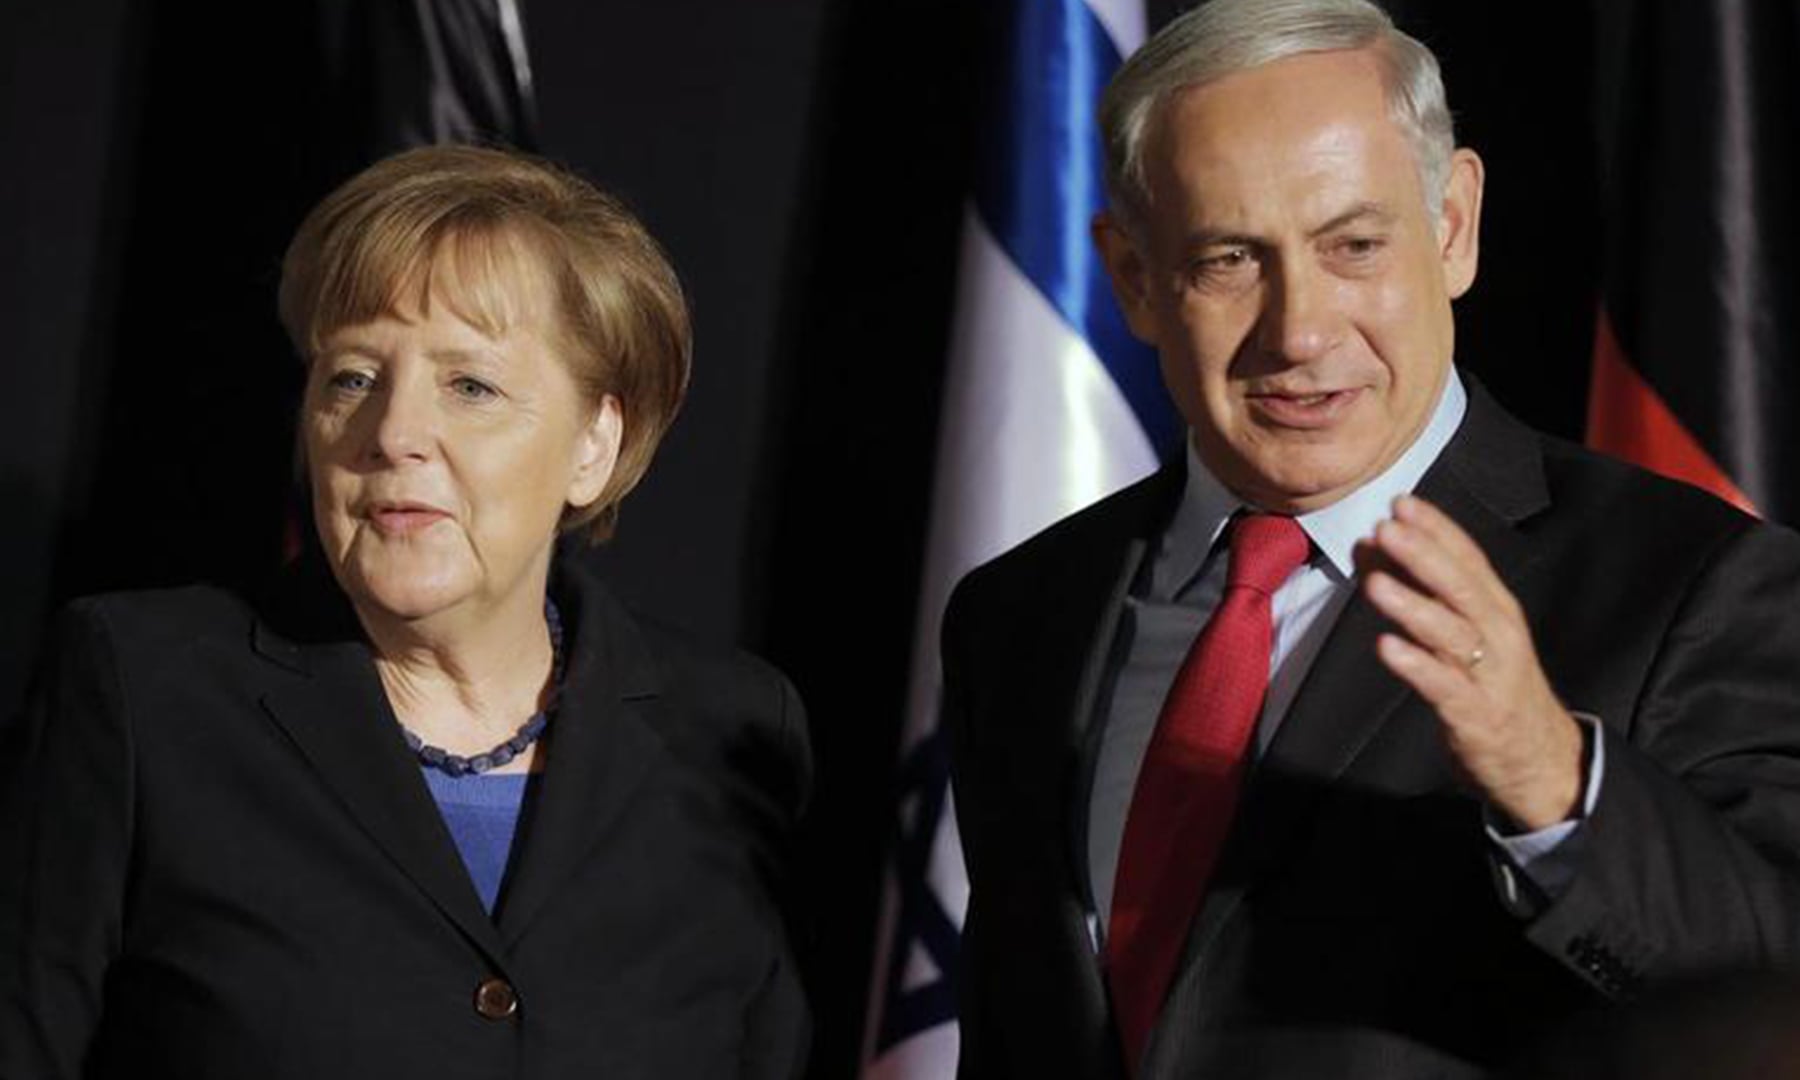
(1316,409)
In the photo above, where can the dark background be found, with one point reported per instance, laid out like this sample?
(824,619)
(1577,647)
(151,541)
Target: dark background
(804,161)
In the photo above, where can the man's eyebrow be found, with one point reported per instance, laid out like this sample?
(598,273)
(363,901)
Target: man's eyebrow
(1205,238)
(1372,213)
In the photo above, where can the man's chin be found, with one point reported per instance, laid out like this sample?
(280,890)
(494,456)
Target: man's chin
(1303,490)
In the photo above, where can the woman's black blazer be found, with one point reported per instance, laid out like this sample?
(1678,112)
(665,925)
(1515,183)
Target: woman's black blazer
(218,859)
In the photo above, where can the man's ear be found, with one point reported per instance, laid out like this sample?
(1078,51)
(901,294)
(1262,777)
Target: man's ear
(1130,274)
(597,452)
(1459,223)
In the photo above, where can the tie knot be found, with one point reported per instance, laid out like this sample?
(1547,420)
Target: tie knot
(1265,549)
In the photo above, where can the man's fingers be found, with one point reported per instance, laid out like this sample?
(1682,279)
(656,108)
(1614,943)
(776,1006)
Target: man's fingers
(1445,685)
(1438,525)
(1426,622)
(1434,569)
(1443,559)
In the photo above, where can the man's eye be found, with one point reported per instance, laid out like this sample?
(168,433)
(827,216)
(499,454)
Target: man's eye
(1360,247)
(470,388)
(1224,264)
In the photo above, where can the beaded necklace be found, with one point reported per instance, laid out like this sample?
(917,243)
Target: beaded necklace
(436,757)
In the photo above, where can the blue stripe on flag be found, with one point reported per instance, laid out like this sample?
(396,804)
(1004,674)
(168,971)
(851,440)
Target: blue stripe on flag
(922,922)
(1039,180)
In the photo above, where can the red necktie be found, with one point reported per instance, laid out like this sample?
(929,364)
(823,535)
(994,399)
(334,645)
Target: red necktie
(1187,787)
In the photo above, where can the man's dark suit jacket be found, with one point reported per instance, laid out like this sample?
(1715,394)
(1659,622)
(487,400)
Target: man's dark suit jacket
(1359,925)
(218,859)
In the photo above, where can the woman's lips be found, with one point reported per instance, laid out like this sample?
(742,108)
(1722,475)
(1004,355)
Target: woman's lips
(1305,411)
(404,519)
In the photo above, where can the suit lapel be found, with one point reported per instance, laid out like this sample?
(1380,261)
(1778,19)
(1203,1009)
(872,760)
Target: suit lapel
(602,743)
(1113,561)
(338,716)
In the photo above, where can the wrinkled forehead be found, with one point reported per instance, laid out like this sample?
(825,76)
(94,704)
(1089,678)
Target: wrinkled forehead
(493,276)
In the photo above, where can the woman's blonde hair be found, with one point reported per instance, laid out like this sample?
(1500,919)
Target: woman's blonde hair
(484,219)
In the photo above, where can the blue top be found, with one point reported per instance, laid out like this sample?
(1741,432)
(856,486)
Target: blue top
(482,812)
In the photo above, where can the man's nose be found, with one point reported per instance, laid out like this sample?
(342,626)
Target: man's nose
(1300,319)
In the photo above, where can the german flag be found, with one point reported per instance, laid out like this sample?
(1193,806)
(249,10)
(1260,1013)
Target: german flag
(1697,348)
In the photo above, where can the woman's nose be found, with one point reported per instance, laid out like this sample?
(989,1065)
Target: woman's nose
(405,423)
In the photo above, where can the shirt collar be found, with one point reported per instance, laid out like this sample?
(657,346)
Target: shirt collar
(1206,504)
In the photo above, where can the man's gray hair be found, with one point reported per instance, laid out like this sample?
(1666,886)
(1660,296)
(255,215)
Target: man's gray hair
(1224,37)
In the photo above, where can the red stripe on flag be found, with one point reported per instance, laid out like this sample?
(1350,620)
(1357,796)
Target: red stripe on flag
(1628,419)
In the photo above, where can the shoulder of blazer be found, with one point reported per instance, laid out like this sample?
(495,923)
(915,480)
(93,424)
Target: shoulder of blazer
(1086,542)
(1519,474)
(1604,485)
(161,628)
(722,706)
(650,658)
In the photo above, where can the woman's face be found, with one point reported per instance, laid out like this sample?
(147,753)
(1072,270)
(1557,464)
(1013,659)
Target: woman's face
(441,458)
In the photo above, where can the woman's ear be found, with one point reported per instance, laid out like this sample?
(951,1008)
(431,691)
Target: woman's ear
(597,452)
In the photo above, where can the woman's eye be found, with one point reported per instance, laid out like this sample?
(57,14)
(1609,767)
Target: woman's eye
(470,388)
(351,381)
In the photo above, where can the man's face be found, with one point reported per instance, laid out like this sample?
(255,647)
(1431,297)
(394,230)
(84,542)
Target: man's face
(1291,277)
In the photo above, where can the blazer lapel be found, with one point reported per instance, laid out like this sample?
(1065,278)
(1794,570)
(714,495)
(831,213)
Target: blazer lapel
(602,743)
(1114,563)
(338,716)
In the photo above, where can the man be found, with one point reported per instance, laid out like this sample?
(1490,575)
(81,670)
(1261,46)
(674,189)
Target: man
(1379,733)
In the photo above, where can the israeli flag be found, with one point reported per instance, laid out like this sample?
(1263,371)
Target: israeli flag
(1049,404)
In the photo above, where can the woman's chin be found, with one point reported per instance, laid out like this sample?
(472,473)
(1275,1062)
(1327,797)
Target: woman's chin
(408,594)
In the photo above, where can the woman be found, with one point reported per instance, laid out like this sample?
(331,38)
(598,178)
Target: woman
(436,806)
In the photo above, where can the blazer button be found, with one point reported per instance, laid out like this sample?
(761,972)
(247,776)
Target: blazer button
(496,999)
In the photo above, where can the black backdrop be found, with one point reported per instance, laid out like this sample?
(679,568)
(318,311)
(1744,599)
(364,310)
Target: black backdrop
(803,160)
